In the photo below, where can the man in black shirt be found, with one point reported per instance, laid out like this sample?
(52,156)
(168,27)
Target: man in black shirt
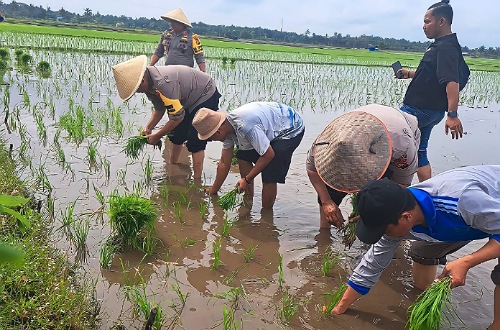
(435,85)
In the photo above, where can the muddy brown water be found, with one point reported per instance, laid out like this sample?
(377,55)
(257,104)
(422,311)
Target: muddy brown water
(184,256)
(292,231)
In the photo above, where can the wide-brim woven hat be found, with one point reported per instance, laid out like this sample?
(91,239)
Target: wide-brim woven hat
(207,122)
(128,76)
(177,15)
(353,149)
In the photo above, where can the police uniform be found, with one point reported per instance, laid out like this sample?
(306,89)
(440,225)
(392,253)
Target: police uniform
(181,91)
(180,48)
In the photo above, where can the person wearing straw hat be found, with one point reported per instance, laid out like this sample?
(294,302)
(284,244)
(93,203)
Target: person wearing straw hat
(176,89)
(179,44)
(369,143)
(440,216)
(266,135)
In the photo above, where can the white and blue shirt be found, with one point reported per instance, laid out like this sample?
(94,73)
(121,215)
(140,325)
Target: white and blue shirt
(458,205)
(256,124)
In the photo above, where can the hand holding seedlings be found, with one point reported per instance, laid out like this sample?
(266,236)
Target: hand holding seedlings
(333,214)
(457,271)
(135,144)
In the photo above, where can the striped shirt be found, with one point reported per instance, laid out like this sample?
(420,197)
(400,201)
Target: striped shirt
(458,205)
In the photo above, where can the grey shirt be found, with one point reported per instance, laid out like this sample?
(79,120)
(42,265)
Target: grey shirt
(178,88)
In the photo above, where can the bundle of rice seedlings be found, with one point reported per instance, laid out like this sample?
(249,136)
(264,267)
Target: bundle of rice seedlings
(129,216)
(229,200)
(348,230)
(426,311)
(335,298)
(135,144)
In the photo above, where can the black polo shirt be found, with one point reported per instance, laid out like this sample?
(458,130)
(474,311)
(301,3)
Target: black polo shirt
(440,63)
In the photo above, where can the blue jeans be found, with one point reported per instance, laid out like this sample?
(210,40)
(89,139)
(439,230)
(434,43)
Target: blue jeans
(427,119)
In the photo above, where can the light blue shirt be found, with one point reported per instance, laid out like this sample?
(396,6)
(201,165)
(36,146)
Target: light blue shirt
(256,124)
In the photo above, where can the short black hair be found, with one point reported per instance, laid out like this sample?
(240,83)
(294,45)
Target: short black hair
(442,9)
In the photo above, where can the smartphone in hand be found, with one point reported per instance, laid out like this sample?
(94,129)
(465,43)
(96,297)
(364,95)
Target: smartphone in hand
(396,66)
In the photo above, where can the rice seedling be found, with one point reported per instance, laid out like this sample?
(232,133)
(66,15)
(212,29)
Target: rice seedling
(99,195)
(129,216)
(203,208)
(149,243)
(229,200)
(107,167)
(148,170)
(182,297)
(138,297)
(121,175)
(216,245)
(227,225)
(334,298)
(249,253)
(188,242)
(426,311)
(80,231)
(288,307)
(135,144)
(330,261)
(348,229)
(106,254)
(228,322)
(92,155)
(178,211)
(280,271)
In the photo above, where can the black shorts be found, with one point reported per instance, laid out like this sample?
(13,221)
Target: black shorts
(277,169)
(185,130)
(430,253)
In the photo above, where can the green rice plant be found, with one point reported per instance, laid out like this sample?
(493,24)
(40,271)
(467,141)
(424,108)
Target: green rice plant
(348,229)
(182,297)
(334,298)
(106,254)
(99,195)
(229,200)
(121,175)
(216,245)
(92,154)
(138,297)
(4,54)
(24,59)
(80,231)
(129,215)
(187,242)
(18,52)
(149,243)
(203,208)
(330,261)
(249,253)
(280,271)
(107,167)
(43,68)
(135,144)
(178,211)
(228,322)
(227,225)
(288,307)
(3,66)
(67,216)
(426,311)
(148,170)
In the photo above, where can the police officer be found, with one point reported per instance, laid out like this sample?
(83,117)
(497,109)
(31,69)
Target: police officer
(179,43)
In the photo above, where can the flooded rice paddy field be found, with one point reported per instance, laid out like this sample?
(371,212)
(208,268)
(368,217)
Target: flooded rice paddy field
(69,131)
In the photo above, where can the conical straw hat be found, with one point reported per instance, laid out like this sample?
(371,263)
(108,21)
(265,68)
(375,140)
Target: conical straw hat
(353,149)
(177,15)
(128,76)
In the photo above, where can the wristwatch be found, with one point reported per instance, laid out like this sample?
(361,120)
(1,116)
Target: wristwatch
(453,114)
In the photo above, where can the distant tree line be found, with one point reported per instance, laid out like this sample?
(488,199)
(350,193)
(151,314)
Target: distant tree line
(22,10)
